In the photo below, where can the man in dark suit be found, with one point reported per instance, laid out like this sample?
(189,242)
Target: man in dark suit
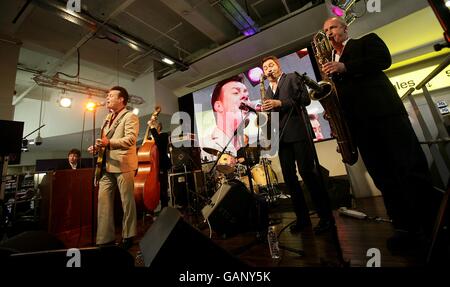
(383,133)
(286,92)
(162,142)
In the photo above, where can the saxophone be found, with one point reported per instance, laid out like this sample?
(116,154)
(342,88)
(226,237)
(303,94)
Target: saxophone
(262,91)
(329,100)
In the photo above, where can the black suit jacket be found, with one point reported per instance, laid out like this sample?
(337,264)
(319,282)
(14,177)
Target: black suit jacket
(162,142)
(66,165)
(364,90)
(291,92)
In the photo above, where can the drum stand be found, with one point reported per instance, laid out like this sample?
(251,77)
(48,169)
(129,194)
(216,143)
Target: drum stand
(271,193)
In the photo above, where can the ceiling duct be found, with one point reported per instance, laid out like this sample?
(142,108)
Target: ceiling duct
(77,87)
(108,31)
(237,15)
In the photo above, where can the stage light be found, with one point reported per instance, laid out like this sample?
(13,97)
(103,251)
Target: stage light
(340,8)
(337,11)
(343,4)
(65,102)
(254,75)
(447,4)
(168,61)
(90,106)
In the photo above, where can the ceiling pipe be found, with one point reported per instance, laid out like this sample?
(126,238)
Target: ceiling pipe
(112,33)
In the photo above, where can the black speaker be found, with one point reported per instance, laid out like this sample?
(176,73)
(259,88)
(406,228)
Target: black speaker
(173,244)
(31,241)
(230,210)
(11,147)
(41,249)
(187,187)
(185,158)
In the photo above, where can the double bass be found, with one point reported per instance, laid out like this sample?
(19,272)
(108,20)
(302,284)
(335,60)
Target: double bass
(146,180)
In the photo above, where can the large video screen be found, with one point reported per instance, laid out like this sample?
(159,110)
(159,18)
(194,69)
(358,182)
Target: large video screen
(205,120)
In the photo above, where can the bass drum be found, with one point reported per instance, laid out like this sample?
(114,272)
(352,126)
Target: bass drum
(245,181)
(259,175)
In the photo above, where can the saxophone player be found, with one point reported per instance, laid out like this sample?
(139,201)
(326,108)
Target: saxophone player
(380,126)
(286,91)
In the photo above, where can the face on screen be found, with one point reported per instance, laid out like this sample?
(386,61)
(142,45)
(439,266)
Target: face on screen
(232,94)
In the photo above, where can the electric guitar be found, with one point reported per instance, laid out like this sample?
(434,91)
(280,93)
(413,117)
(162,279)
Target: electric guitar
(101,150)
(99,164)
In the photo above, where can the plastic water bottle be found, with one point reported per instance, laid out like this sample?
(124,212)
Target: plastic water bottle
(273,242)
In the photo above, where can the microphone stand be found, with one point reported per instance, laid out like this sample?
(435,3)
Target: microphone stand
(93,181)
(228,143)
(301,110)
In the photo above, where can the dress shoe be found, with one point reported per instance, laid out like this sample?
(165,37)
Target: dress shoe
(323,226)
(126,243)
(404,243)
(108,244)
(300,226)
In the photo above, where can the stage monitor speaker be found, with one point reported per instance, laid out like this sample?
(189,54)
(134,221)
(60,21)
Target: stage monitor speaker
(230,210)
(185,158)
(173,244)
(41,249)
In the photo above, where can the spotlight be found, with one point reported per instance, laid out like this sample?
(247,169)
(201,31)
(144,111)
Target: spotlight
(90,106)
(65,102)
(254,75)
(343,4)
(337,11)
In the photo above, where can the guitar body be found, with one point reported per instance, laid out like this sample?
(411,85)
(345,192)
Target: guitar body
(146,180)
(99,166)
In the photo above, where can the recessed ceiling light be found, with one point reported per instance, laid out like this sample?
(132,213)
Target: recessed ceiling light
(168,61)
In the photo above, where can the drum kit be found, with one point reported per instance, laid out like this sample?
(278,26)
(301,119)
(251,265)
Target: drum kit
(252,167)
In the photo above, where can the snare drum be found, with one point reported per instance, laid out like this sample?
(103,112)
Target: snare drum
(259,175)
(226,163)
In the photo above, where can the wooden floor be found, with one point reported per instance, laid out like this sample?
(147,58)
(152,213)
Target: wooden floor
(355,236)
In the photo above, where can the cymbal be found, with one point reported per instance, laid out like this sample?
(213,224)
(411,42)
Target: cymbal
(211,151)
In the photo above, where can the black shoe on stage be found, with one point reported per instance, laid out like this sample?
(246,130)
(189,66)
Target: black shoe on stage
(126,243)
(300,226)
(323,226)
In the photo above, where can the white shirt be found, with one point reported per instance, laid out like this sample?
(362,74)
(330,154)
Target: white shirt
(336,56)
(271,84)
(74,166)
(217,140)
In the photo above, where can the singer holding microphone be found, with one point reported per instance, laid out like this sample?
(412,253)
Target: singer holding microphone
(226,102)
(284,95)
(118,145)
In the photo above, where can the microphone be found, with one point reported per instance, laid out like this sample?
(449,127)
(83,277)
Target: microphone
(249,106)
(313,85)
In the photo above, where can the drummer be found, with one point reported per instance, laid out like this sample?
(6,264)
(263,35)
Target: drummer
(241,152)
(225,101)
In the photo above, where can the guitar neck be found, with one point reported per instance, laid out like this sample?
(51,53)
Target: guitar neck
(146,134)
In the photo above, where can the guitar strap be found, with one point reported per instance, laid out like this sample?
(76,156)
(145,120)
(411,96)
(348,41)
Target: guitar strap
(110,132)
(113,128)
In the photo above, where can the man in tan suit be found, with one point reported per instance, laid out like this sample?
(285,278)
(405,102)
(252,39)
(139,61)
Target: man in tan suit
(118,138)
